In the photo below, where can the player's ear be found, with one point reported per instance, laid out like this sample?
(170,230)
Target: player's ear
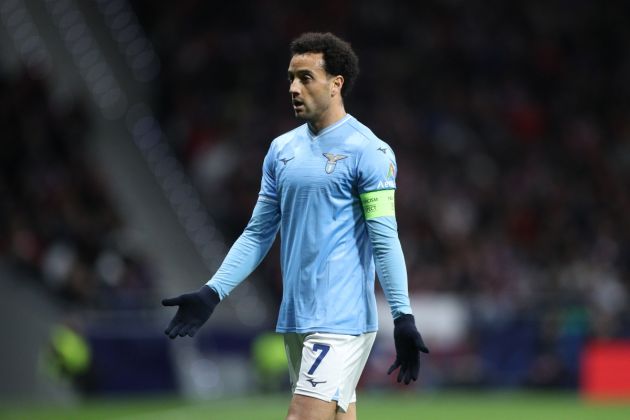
(337,84)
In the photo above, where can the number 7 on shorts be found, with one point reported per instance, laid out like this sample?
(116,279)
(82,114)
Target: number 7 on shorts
(323,348)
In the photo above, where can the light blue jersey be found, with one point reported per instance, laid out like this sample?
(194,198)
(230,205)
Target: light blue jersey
(311,189)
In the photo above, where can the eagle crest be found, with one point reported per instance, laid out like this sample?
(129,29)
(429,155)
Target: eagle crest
(332,161)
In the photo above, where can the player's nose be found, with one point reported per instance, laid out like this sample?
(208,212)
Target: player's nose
(294,88)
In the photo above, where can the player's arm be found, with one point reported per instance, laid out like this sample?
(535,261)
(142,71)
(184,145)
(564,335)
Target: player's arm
(249,249)
(392,274)
(246,253)
(378,169)
(378,209)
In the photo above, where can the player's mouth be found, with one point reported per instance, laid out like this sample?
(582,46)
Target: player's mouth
(298,105)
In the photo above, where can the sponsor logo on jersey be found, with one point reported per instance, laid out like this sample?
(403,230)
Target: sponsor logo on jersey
(391,173)
(385,185)
(390,179)
(332,161)
(382,149)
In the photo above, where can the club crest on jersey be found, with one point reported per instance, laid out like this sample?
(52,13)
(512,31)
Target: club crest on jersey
(332,161)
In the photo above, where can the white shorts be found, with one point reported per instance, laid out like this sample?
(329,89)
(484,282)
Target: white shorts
(327,366)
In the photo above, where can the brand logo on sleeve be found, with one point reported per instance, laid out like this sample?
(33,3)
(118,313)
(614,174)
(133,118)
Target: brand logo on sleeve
(382,149)
(332,161)
(286,160)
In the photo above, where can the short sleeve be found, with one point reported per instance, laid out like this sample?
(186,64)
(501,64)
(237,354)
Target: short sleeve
(268,191)
(376,168)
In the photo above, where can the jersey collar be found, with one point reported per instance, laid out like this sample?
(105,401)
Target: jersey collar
(327,129)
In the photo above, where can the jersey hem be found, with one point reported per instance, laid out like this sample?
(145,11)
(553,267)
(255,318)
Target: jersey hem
(328,330)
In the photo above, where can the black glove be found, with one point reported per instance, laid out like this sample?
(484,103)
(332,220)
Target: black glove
(409,344)
(194,309)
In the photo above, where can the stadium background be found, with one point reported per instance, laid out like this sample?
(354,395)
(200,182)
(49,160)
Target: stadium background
(133,133)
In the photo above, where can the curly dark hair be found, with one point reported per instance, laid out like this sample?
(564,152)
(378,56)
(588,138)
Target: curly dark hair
(339,58)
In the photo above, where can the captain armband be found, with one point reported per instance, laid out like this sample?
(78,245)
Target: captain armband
(378,203)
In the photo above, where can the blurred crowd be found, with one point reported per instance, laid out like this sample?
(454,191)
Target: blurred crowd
(57,224)
(511,125)
(510,120)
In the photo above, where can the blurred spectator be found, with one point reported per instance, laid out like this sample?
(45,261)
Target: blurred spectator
(68,356)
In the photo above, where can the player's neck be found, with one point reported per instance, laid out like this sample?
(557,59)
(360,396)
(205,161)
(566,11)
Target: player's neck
(327,119)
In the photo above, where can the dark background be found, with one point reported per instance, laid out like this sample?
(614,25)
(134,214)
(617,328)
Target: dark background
(511,126)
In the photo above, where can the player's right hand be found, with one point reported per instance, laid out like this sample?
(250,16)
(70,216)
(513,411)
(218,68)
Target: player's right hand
(194,309)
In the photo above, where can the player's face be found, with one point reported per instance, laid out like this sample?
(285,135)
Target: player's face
(311,88)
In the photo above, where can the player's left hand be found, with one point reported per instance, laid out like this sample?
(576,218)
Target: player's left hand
(409,344)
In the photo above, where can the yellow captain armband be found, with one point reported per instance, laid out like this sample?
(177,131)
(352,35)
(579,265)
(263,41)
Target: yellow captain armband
(378,203)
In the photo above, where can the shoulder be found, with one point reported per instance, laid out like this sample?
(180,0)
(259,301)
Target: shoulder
(370,148)
(365,138)
(286,138)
